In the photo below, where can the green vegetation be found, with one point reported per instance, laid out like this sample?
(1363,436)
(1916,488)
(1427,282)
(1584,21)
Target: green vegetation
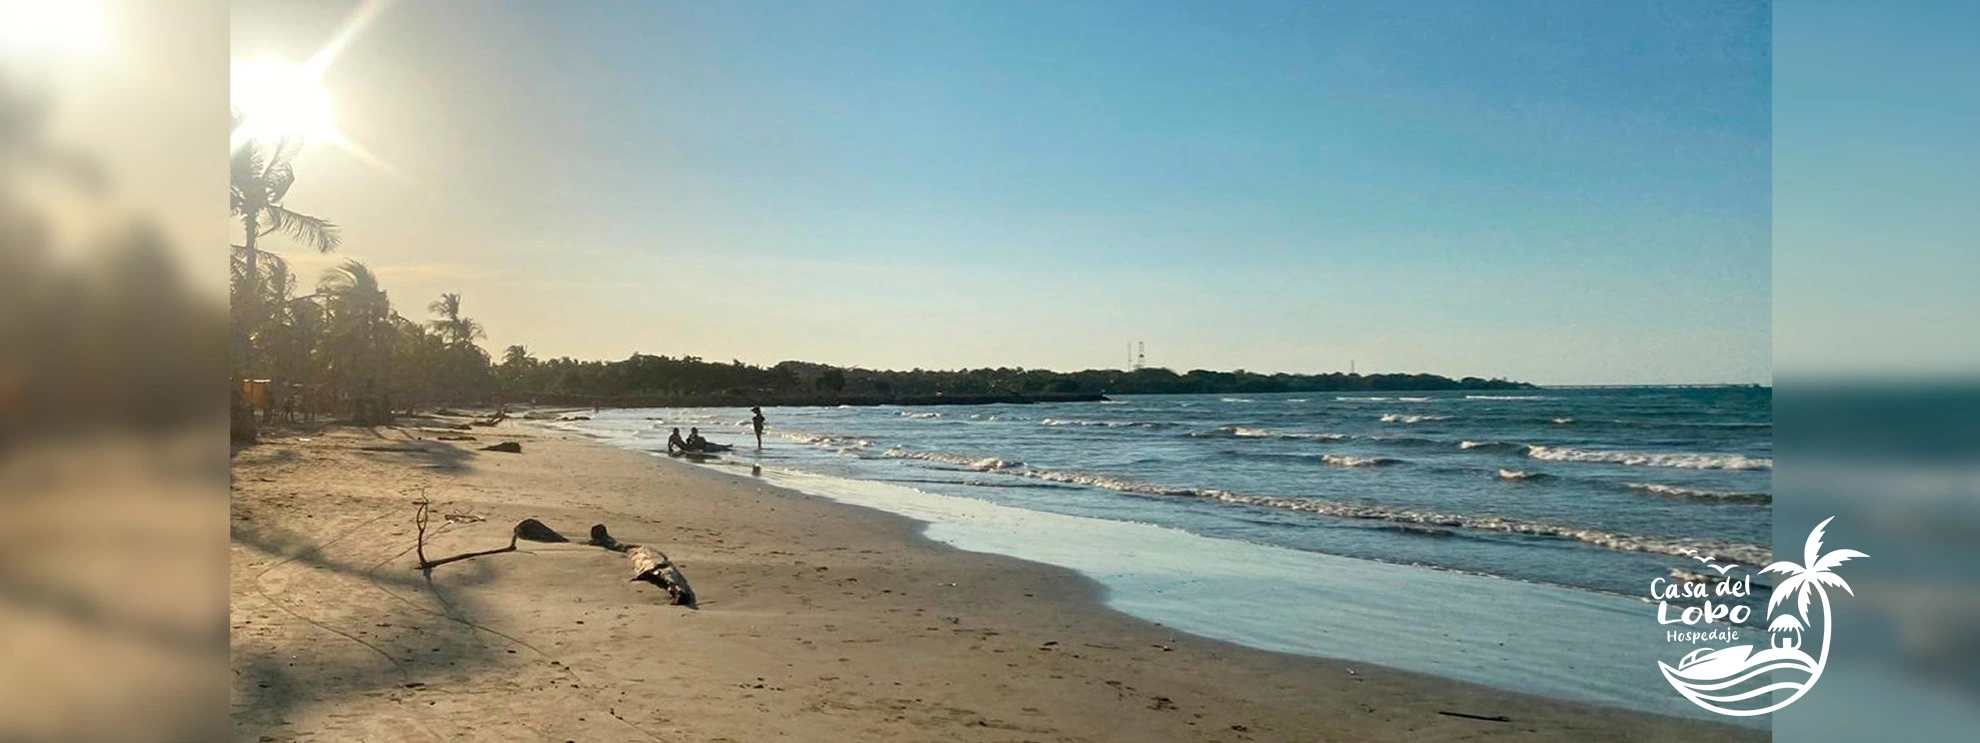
(662,380)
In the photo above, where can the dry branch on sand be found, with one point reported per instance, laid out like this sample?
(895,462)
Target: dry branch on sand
(529,529)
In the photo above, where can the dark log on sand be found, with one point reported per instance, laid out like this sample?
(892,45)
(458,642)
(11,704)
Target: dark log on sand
(506,446)
(536,531)
(652,565)
(602,538)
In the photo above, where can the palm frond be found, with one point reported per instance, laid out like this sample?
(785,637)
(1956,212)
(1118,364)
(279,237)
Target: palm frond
(314,232)
(1836,558)
(1784,568)
(244,165)
(279,178)
(1786,588)
(447,306)
(1833,580)
(1814,546)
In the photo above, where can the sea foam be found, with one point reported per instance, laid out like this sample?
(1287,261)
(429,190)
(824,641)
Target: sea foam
(1652,459)
(1250,432)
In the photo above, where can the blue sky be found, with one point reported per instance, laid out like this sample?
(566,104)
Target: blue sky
(1557,192)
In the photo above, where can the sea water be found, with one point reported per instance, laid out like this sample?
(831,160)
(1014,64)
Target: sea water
(1505,538)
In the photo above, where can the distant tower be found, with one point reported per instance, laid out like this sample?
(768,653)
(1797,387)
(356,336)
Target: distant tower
(1140,355)
(1350,367)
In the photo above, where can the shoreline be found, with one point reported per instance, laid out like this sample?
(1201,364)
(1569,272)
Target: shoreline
(819,619)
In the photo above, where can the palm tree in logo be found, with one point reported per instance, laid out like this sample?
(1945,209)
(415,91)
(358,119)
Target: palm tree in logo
(1811,576)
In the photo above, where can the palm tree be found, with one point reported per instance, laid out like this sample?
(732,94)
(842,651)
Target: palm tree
(360,338)
(517,357)
(258,181)
(453,328)
(292,342)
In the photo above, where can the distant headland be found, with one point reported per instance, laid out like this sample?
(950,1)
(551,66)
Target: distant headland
(660,381)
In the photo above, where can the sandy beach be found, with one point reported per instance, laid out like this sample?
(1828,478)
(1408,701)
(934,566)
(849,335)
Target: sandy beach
(817,621)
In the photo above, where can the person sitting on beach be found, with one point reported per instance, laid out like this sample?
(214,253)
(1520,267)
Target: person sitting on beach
(756,421)
(675,442)
(694,441)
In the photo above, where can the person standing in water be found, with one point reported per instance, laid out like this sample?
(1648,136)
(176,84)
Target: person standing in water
(756,422)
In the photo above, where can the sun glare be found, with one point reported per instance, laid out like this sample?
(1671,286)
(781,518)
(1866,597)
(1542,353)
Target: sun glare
(280,100)
(50,26)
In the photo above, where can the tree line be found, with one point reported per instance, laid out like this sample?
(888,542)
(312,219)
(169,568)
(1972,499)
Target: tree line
(341,346)
(651,379)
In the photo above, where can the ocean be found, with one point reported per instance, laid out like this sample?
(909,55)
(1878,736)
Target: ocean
(1506,538)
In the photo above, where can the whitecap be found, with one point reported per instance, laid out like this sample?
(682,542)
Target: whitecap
(1721,496)
(1412,418)
(1652,459)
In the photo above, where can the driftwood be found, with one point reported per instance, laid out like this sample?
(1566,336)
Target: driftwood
(535,531)
(1493,718)
(506,446)
(421,516)
(652,565)
(600,538)
(648,564)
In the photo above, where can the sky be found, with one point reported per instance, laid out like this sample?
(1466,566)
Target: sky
(1562,193)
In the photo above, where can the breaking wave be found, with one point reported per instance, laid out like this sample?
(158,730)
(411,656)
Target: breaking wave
(1104,424)
(1507,397)
(1649,459)
(1247,432)
(1744,553)
(1506,474)
(1718,496)
(1348,460)
(1491,446)
(1412,418)
(850,445)
(980,464)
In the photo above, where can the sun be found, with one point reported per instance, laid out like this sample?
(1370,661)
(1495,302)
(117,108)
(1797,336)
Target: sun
(36,27)
(278,101)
